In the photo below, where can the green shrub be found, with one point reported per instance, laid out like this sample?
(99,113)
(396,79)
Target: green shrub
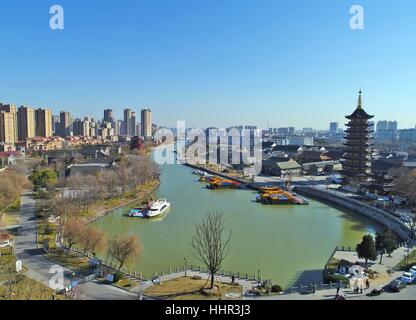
(40,214)
(47,230)
(118,276)
(276,288)
(58,251)
(44,194)
(334,278)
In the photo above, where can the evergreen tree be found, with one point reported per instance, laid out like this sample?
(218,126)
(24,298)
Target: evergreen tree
(367,249)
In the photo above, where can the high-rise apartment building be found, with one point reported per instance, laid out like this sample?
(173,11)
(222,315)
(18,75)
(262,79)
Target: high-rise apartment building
(55,124)
(138,128)
(333,127)
(118,128)
(129,122)
(108,115)
(8,123)
(381,126)
(81,127)
(392,125)
(26,124)
(8,108)
(8,128)
(387,131)
(133,124)
(43,120)
(65,124)
(146,123)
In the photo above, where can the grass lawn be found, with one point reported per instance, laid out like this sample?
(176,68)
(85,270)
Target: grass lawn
(11,218)
(333,264)
(405,264)
(46,231)
(70,260)
(11,214)
(186,288)
(127,283)
(15,286)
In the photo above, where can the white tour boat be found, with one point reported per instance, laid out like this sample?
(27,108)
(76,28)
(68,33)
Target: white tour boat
(158,208)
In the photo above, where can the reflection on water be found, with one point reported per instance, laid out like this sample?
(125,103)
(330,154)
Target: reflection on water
(283,242)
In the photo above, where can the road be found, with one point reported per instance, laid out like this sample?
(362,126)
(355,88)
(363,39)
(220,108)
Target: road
(42,270)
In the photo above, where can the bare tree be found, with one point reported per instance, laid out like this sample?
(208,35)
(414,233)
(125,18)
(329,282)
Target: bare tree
(2,221)
(405,184)
(211,242)
(412,224)
(72,232)
(11,185)
(124,248)
(91,239)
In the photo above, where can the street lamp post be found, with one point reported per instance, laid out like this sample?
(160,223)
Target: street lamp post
(184,261)
(258,276)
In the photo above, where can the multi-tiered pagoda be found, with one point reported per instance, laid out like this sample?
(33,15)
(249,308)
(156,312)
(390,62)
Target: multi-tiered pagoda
(357,156)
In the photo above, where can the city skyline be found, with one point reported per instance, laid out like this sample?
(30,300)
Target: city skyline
(108,115)
(233,62)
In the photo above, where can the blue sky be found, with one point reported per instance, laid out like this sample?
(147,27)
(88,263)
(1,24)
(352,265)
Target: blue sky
(212,62)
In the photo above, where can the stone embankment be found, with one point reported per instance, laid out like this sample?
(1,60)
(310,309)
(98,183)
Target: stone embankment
(382,217)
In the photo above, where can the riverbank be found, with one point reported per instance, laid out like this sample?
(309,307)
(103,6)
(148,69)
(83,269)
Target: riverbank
(380,216)
(47,230)
(123,202)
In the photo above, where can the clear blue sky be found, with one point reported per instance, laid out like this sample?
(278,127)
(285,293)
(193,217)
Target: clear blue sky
(212,62)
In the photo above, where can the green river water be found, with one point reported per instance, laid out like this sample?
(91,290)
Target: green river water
(286,243)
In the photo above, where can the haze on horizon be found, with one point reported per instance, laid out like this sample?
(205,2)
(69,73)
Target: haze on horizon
(266,63)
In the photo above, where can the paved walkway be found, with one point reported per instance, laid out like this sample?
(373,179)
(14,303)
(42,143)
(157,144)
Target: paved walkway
(388,263)
(39,267)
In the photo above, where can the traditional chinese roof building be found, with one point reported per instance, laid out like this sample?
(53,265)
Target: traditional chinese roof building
(357,147)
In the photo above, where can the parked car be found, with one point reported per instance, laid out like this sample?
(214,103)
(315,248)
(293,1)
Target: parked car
(413,270)
(397,285)
(408,278)
(375,292)
(6,243)
(406,218)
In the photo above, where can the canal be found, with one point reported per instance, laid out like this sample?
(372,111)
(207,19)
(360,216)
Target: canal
(286,243)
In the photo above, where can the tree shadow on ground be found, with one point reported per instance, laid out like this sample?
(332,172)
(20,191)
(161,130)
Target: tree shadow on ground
(307,277)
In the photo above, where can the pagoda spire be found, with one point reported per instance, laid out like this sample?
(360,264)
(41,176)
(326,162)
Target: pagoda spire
(360,102)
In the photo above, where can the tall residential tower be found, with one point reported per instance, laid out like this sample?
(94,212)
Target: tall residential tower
(146,123)
(43,119)
(26,123)
(129,122)
(8,125)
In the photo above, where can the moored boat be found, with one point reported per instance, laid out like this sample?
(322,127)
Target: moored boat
(151,209)
(137,213)
(158,208)
(220,183)
(278,196)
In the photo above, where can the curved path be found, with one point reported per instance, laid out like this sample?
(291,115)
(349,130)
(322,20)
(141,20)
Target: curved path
(42,270)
